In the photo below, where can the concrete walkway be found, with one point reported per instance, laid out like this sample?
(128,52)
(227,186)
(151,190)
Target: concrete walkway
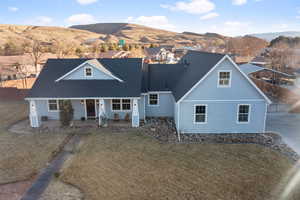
(43,180)
(288,126)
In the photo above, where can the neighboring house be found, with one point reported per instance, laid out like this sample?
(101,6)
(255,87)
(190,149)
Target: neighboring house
(204,92)
(114,54)
(159,54)
(268,75)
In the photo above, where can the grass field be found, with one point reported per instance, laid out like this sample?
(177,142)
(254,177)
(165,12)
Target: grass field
(132,166)
(22,155)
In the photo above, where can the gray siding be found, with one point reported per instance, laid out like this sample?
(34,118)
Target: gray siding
(222,105)
(79,74)
(165,107)
(222,118)
(42,109)
(79,110)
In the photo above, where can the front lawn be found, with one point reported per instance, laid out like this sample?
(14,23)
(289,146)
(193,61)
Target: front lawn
(22,155)
(131,166)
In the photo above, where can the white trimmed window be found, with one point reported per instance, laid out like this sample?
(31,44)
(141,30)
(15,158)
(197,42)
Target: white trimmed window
(116,104)
(200,114)
(88,71)
(153,99)
(53,105)
(121,105)
(224,79)
(126,104)
(243,113)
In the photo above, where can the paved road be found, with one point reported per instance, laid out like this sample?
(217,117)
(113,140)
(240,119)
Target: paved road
(288,125)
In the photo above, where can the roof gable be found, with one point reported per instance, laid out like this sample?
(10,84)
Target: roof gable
(246,78)
(103,72)
(127,69)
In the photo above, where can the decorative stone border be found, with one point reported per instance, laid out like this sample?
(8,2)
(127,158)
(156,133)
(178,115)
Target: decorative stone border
(163,129)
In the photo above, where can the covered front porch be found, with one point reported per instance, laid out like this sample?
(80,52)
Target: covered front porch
(101,112)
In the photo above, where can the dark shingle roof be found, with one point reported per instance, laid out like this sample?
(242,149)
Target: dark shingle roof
(197,64)
(163,77)
(129,70)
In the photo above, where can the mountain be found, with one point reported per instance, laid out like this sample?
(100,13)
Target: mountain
(19,35)
(134,33)
(271,36)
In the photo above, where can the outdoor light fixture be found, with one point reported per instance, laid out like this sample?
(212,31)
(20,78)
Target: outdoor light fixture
(97,101)
(81,102)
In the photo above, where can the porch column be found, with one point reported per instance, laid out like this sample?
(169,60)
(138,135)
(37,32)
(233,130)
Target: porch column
(101,112)
(135,114)
(34,120)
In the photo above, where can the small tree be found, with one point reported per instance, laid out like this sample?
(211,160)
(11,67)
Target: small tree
(66,112)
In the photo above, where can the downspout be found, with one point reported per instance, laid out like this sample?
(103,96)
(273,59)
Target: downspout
(178,121)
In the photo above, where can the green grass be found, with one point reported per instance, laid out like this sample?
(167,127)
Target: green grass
(132,166)
(22,155)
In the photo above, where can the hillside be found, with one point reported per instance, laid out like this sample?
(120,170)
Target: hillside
(19,35)
(134,33)
(271,36)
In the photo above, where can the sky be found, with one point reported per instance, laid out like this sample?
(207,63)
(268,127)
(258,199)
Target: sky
(228,17)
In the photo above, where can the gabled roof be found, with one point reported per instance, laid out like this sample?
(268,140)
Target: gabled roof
(129,70)
(196,65)
(95,63)
(153,51)
(249,68)
(163,77)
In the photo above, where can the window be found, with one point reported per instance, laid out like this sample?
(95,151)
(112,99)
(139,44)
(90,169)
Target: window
(224,79)
(126,104)
(53,105)
(88,72)
(116,104)
(200,114)
(121,104)
(243,113)
(153,99)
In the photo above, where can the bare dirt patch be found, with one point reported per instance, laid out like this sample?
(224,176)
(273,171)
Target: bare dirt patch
(14,191)
(62,191)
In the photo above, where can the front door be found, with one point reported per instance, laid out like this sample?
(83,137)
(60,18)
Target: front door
(90,108)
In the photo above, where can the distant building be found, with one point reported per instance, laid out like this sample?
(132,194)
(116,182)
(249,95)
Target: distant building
(159,54)
(114,54)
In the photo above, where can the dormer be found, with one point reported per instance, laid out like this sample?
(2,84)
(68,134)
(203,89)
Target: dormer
(90,70)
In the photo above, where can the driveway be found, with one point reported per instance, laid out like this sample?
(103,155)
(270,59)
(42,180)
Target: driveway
(288,125)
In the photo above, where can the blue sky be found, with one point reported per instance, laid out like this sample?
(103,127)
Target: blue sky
(229,17)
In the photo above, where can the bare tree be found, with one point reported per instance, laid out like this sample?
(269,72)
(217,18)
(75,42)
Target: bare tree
(22,71)
(36,52)
(63,48)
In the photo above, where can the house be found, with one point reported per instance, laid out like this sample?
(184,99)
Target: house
(115,54)
(159,54)
(204,92)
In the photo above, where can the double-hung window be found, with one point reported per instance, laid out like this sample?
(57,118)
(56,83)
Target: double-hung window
(224,79)
(200,114)
(88,72)
(53,105)
(243,113)
(121,104)
(126,104)
(153,99)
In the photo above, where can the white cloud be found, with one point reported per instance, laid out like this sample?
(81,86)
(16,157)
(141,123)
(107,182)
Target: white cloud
(239,2)
(41,21)
(192,6)
(160,22)
(80,19)
(86,2)
(13,9)
(209,16)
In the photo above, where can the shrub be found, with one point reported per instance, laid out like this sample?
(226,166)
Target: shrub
(44,118)
(66,112)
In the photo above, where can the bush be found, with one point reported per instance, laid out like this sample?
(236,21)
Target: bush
(66,112)
(44,118)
